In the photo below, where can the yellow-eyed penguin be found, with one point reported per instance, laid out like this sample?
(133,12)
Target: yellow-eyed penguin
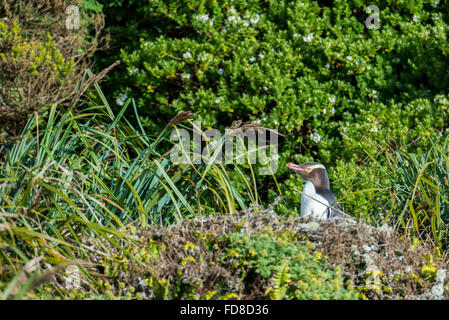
(316,200)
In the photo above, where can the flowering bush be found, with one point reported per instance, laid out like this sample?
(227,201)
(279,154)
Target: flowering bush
(336,89)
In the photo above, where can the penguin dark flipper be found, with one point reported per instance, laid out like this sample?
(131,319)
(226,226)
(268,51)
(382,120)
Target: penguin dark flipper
(335,214)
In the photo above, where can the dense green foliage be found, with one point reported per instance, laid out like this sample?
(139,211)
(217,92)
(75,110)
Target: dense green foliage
(311,69)
(295,272)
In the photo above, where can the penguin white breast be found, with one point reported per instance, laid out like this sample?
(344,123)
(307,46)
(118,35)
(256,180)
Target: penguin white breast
(311,207)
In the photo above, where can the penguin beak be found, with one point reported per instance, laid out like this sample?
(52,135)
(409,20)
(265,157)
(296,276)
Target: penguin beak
(295,167)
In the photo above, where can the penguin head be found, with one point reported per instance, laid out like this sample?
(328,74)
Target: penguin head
(311,171)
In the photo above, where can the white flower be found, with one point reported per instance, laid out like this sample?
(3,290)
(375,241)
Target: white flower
(261,56)
(232,19)
(295,35)
(202,56)
(333,110)
(254,20)
(187,55)
(220,71)
(324,110)
(349,58)
(308,38)
(121,99)
(275,122)
(315,137)
(147,44)
(232,10)
(202,17)
(186,76)
(133,70)
(338,55)
(252,59)
(435,3)
(374,129)
(331,99)
(327,65)
(415,18)
(218,100)
(246,24)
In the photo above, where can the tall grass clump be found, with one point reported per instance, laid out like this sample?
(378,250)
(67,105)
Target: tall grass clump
(419,189)
(93,173)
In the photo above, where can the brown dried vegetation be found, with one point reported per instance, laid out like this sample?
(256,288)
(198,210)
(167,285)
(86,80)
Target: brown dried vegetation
(29,81)
(376,262)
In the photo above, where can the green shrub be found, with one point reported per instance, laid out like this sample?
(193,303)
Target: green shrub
(295,271)
(335,89)
(40,60)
